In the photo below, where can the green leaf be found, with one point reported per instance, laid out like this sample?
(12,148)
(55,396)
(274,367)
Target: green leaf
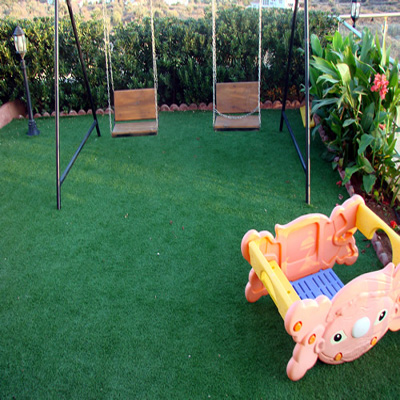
(348,122)
(316,46)
(394,77)
(349,171)
(344,72)
(369,182)
(349,58)
(337,41)
(364,142)
(391,148)
(325,67)
(330,89)
(368,117)
(398,115)
(323,103)
(327,78)
(366,45)
(365,164)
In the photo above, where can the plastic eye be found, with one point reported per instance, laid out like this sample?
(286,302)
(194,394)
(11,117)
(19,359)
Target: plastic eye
(338,337)
(381,316)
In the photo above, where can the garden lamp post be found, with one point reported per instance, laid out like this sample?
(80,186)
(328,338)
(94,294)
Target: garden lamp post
(355,11)
(20,46)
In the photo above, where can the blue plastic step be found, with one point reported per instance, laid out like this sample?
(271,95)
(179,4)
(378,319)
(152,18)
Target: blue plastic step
(324,282)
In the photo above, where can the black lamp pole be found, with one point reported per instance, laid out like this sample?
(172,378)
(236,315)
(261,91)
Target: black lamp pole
(355,11)
(20,46)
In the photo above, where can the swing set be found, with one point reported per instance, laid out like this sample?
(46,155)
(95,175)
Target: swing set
(236,105)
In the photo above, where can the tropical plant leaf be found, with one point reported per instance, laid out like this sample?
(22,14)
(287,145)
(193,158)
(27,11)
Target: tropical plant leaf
(316,46)
(327,78)
(366,45)
(348,58)
(365,164)
(337,41)
(325,67)
(398,116)
(348,122)
(369,182)
(364,142)
(368,117)
(344,72)
(349,172)
(322,103)
(394,77)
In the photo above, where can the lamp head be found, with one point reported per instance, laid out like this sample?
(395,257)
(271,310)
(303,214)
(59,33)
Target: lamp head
(20,41)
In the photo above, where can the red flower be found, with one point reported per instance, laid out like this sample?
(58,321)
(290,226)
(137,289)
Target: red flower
(393,224)
(339,183)
(380,85)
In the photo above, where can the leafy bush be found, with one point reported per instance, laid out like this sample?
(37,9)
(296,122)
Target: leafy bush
(184,57)
(357,95)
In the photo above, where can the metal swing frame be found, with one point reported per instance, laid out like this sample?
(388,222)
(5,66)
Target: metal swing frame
(305,161)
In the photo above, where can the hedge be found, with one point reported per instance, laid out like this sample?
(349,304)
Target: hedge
(184,57)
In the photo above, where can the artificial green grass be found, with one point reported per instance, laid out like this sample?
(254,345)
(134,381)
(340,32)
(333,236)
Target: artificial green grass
(135,289)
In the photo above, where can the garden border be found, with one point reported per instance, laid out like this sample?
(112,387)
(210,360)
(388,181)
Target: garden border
(19,109)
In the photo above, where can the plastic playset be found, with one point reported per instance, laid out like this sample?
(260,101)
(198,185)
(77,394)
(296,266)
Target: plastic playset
(327,320)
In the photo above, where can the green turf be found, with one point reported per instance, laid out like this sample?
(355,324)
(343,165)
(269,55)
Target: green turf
(135,289)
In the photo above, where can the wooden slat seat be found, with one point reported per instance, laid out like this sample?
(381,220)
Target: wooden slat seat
(251,122)
(237,98)
(135,113)
(140,128)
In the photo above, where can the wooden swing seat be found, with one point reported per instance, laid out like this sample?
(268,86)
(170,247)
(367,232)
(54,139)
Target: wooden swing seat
(135,113)
(237,98)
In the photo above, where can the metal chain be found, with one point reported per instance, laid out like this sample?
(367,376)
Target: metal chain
(106,54)
(153,44)
(230,116)
(108,58)
(259,58)
(214,47)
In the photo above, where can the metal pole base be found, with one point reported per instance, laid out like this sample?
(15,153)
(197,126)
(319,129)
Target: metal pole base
(32,128)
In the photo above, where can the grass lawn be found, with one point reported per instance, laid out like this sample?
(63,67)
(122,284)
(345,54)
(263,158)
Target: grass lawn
(135,289)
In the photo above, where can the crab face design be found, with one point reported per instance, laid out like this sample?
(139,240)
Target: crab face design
(343,329)
(356,329)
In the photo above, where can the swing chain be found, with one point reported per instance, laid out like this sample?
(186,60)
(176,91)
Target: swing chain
(153,45)
(107,54)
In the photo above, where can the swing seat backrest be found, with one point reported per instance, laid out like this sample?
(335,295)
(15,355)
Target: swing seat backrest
(134,105)
(236,97)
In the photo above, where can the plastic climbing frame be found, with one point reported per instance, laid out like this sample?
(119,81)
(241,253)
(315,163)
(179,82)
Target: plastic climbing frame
(327,320)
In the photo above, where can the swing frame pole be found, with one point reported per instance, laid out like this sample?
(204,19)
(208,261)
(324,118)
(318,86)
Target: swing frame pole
(289,62)
(85,76)
(95,124)
(305,161)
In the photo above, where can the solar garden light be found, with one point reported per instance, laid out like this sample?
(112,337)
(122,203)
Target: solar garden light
(355,11)
(20,46)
